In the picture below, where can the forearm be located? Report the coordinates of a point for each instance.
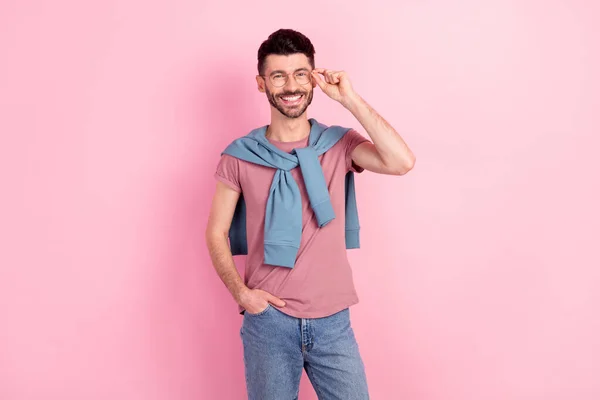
(222, 261)
(394, 152)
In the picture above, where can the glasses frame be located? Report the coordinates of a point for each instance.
(287, 78)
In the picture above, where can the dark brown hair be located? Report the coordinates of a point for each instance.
(285, 42)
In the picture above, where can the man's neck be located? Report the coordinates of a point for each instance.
(284, 129)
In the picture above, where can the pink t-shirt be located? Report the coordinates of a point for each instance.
(321, 283)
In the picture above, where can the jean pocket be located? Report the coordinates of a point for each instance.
(258, 313)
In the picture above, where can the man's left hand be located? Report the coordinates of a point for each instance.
(335, 84)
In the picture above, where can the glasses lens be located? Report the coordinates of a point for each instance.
(302, 77)
(278, 79)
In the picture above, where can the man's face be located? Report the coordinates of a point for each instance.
(293, 98)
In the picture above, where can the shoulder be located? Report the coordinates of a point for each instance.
(228, 159)
(351, 139)
(228, 172)
(353, 134)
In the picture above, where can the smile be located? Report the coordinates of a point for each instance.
(292, 100)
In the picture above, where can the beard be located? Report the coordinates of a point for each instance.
(294, 111)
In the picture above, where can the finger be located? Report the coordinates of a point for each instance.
(322, 84)
(329, 75)
(326, 74)
(276, 300)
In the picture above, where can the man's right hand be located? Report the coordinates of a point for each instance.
(255, 300)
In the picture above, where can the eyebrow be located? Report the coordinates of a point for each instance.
(280, 71)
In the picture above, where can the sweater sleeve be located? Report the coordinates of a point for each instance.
(228, 172)
(352, 139)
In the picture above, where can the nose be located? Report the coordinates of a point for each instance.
(291, 85)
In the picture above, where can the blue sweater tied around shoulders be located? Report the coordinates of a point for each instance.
(283, 216)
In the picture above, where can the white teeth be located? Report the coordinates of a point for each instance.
(291, 98)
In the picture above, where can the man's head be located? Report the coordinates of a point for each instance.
(285, 61)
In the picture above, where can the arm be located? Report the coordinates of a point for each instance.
(388, 154)
(217, 230)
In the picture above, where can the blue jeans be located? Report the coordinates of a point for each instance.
(277, 347)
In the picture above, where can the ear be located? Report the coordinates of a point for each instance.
(260, 83)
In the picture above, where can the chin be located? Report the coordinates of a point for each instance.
(294, 115)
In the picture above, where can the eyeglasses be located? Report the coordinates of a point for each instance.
(280, 79)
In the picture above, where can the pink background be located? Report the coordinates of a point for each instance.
(479, 270)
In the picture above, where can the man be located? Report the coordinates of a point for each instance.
(296, 312)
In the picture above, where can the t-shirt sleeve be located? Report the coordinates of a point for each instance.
(228, 172)
(352, 139)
